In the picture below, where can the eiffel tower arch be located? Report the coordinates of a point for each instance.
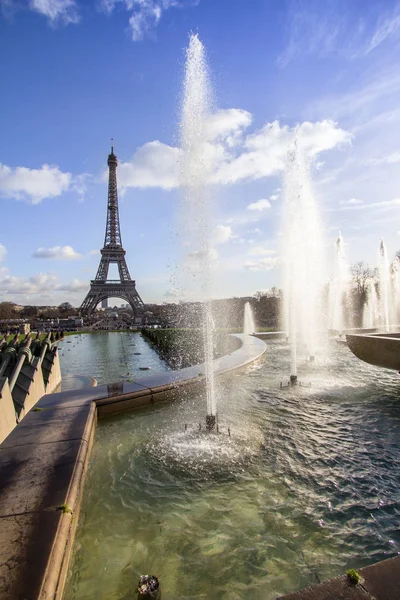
(102, 288)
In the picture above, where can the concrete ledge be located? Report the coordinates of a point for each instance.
(378, 582)
(38, 475)
(43, 464)
(380, 350)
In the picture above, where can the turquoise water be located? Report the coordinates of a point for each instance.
(108, 356)
(306, 487)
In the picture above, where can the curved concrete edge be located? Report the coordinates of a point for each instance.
(148, 389)
(270, 335)
(380, 350)
(57, 566)
(43, 464)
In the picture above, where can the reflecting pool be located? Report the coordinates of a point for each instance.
(108, 356)
(306, 486)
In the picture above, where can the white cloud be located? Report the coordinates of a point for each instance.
(33, 185)
(145, 18)
(264, 152)
(313, 27)
(38, 287)
(79, 185)
(263, 264)
(228, 125)
(390, 159)
(260, 251)
(379, 87)
(326, 28)
(57, 253)
(384, 205)
(221, 234)
(3, 252)
(62, 11)
(11, 285)
(351, 201)
(153, 165)
(262, 204)
(388, 26)
(233, 155)
(94, 252)
(145, 14)
(75, 285)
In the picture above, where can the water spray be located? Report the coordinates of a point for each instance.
(195, 176)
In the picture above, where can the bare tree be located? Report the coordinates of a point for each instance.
(362, 277)
(362, 274)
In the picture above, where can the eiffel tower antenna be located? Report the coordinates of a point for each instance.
(101, 287)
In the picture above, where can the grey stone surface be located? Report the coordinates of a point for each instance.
(382, 580)
(334, 589)
(35, 477)
(49, 425)
(26, 542)
(85, 396)
(380, 350)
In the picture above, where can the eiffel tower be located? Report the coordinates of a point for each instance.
(102, 288)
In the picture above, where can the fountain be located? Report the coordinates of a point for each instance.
(371, 307)
(252, 506)
(248, 325)
(394, 291)
(302, 259)
(196, 198)
(338, 289)
(384, 286)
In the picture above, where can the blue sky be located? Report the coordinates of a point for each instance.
(76, 73)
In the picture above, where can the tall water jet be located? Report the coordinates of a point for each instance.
(339, 288)
(384, 285)
(394, 291)
(248, 324)
(302, 258)
(371, 307)
(195, 175)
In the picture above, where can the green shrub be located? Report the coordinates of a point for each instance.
(353, 576)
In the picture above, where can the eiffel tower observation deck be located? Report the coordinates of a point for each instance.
(101, 287)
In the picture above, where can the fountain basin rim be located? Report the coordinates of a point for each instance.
(378, 349)
(52, 447)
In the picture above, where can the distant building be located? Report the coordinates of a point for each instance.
(104, 303)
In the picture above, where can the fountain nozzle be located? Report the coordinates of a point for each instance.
(293, 380)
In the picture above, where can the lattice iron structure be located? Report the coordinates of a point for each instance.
(102, 288)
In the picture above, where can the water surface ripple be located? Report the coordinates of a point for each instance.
(108, 356)
(306, 486)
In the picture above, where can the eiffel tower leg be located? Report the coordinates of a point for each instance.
(89, 304)
(135, 302)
